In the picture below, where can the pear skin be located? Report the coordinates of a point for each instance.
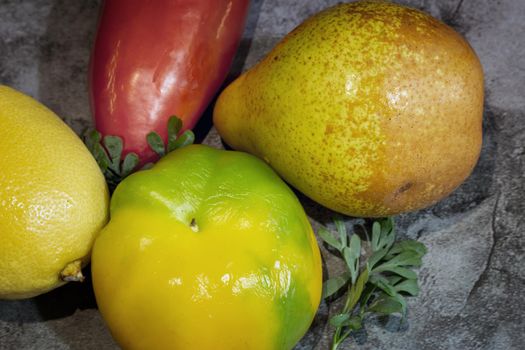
(369, 108)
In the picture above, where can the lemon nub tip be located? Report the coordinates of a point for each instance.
(72, 272)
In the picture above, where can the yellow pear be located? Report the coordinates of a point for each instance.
(369, 108)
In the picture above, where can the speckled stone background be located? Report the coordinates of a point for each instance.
(472, 281)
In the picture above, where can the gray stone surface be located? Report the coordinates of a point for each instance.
(472, 280)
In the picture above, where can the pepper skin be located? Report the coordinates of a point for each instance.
(209, 249)
(155, 59)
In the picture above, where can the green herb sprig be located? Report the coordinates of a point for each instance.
(374, 284)
(108, 154)
(174, 142)
(108, 150)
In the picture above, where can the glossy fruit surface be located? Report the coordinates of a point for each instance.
(369, 108)
(207, 250)
(53, 198)
(155, 59)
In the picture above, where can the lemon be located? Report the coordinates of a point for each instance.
(53, 199)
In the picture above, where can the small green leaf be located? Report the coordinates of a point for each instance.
(96, 149)
(394, 279)
(339, 319)
(383, 234)
(333, 285)
(101, 156)
(341, 228)
(383, 284)
(406, 258)
(388, 238)
(329, 238)
(409, 244)
(353, 266)
(357, 289)
(362, 280)
(114, 146)
(187, 138)
(354, 322)
(129, 164)
(401, 300)
(351, 255)
(404, 272)
(156, 143)
(385, 231)
(346, 320)
(387, 226)
(174, 126)
(355, 246)
(92, 138)
(408, 286)
(386, 305)
(376, 257)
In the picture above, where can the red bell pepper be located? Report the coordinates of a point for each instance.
(155, 59)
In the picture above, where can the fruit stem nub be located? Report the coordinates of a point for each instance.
(72, 272)
(193, 225)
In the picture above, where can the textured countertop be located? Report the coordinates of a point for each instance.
(472, 281)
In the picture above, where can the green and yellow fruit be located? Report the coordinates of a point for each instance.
(207, 250)
(369, 108)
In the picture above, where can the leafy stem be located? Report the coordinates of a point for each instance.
(174, 126)
(108, 150)
(374, 284)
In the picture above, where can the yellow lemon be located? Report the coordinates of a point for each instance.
(53, 199)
